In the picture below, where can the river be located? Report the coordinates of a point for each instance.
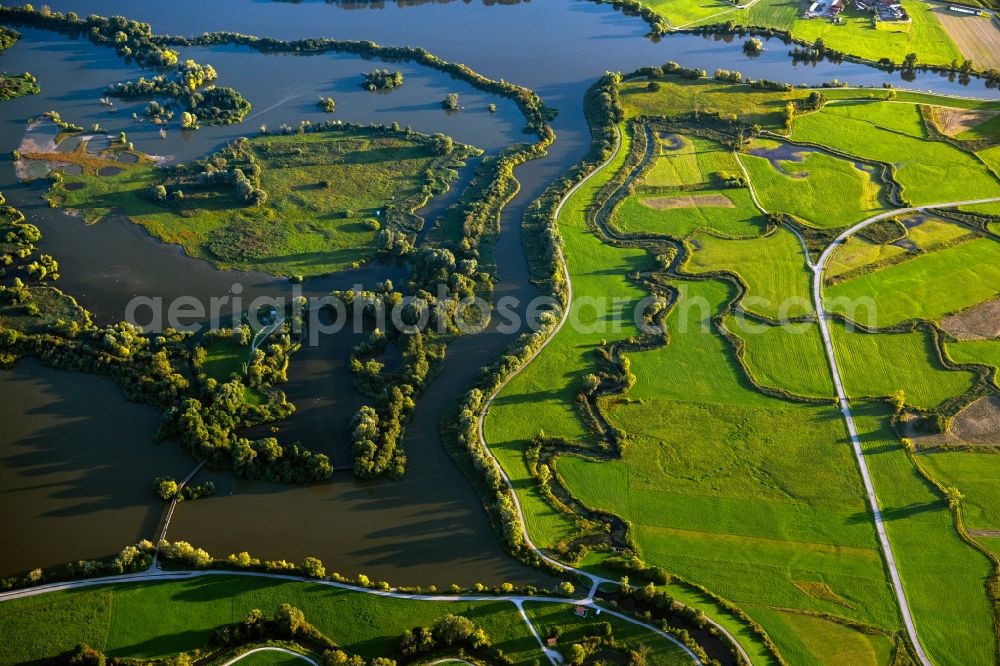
(429, 527)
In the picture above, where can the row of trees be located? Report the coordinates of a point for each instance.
(131, 39)
(131, 559)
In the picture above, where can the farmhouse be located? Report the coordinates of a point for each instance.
(825, 9)
(881, 10)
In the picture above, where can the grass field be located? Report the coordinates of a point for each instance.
(943, 577)
(984, 352)
(689, 162)
(928, 286)
(324, 190)
(680, 96)
(739, 220)
(547, 387)
(924, 234)
(224, 358)
(712, 477)
(755, 497)
(929, 171)
(789, 357)
(773, 268)
(879, 364)
(823, 190)
(132, 620)
(813, 640)
(857, 252)
(975, 475)
(675, 166)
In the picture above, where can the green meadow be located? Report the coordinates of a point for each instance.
(677, 195)
(943, 578)
(975, 475)
(929, 171)
(823, 190)
(857, 252)
(815, 640)
(880, 364)
(755, 497)
(548, 386)
(789, 357)
(772, 267)
(928, 286)
(983, 352)
(705, 448)
(324, 190)
(740, 219)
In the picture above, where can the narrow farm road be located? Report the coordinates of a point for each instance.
(845, 408)
(298, 655)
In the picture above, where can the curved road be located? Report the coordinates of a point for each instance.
(158, 575)
(845, 409)
(272, 649)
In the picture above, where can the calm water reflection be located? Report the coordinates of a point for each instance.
(429, 528)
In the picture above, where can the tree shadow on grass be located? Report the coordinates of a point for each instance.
(164, 645)
(900, 512)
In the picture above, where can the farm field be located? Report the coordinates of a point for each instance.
(974, 474)
(823, 190)
(943, 577)
(809, 636)
(324, 190)
(702, 401)
(984, 352)
(912, 367)
(678, 96)
(928, 286)
(936, 173)
(553, 378)
(644, 214)
(858, 254)
(976, 37)
(789, 357)
(772, 267)
(679, 194)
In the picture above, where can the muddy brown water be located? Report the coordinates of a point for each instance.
(77, 461)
